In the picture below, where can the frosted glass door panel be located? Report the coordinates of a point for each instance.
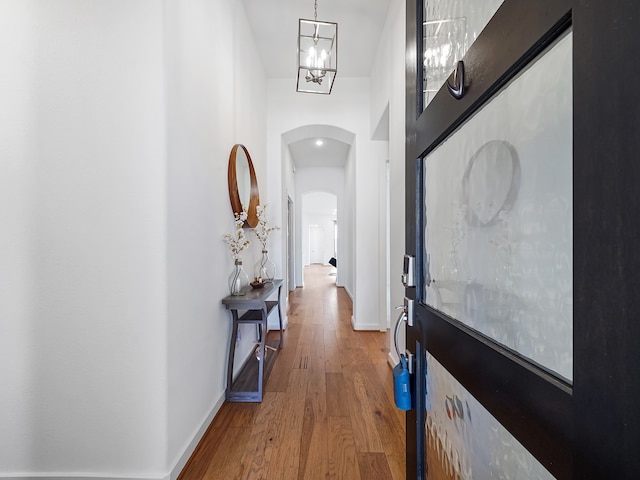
(450, 27)
(464, 441)
(499, 203)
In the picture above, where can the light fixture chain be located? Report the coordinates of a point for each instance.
(315, 10)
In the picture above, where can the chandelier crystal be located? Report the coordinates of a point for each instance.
(317, 54)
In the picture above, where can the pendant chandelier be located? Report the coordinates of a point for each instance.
(317, 54)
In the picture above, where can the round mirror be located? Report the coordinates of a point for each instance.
(243, 184)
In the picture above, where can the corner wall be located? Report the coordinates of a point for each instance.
(214, 100)
(388, 92)
(119, 119)
(84, 320)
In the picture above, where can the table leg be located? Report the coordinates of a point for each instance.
(280, 319)
(232, 351)
(263, 339)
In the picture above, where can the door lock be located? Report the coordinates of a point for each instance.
(408, 310)
(409, 271)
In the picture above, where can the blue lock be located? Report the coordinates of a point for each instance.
(401, 390)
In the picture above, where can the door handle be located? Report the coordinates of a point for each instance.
(402, 371)
(401, 318)
(457, 90)
(407, 354)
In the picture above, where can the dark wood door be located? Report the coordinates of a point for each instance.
(523, 217)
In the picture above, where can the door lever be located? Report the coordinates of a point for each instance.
(408, 355)
(401, 318)
(401, 380)
(405, 316)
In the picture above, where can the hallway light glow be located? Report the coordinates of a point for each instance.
(319, 142)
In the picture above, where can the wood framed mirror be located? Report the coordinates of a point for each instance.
(243, 184)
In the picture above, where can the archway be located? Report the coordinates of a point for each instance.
(329, 170)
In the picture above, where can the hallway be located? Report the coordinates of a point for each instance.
(328, 407)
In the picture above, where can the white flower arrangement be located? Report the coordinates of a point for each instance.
(263, 229)
(237, 242)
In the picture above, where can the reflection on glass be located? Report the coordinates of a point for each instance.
(491, 183)
(498, 202)
(450, 27)
(444, 45)
(243, 177)
(463, 440)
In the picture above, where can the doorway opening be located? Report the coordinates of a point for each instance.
(319, 217)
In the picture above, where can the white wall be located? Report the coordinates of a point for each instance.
(388, 92)
(214, 101)
(114, 139)
(18, 157)
(348, 276)
(117, 126)
(319, 210)
(347, 108)
(83, 389)
(324, 224)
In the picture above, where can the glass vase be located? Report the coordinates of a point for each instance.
(238, 280)
(265, 268)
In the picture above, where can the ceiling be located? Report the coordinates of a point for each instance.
(332, 153)
(275, 28)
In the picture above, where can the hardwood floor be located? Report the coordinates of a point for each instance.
(328, 409)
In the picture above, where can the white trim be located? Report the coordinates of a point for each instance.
(190, 448)
(364, 327)
(346, 289)
(78, 476)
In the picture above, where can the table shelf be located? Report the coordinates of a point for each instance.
(248, 384)
(245, 385)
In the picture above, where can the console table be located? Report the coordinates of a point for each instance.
(257, 309)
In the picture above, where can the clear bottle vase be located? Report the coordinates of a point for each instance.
(238, 280)
(265, 268)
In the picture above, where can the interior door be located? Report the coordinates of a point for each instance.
(514, 361)
(316, 239)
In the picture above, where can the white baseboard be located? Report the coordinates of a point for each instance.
(77, 476)
(190, 448)
(346, 289)
(366, 327)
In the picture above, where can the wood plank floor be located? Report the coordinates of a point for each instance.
(328, 409)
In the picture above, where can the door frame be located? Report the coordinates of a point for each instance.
(291, 257)
(589, 428)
